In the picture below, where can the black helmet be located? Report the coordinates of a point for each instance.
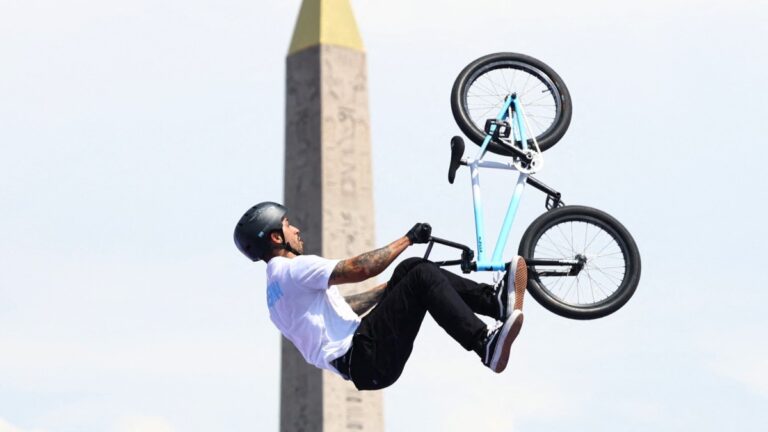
(252, 232)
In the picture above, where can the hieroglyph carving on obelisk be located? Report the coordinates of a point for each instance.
(329, 194)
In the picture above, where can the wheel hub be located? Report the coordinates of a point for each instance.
(579, 266)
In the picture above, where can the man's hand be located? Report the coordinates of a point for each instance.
(420, 233)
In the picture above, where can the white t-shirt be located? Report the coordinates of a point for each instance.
(311, 314)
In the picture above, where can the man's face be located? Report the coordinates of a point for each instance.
(292, 236)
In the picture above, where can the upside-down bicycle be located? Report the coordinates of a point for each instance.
(582, 263)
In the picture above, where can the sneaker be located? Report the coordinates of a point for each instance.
(495, 350)
(514, 282)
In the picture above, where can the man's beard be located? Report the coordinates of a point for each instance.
(299, 247)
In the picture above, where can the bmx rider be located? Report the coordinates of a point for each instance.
(327, 329)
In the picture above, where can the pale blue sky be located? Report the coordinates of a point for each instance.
(134, 134)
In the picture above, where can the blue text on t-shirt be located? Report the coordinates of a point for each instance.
(274, 293)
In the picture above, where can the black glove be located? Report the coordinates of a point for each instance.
(420, 233)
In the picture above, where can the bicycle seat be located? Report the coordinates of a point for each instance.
(457, 151)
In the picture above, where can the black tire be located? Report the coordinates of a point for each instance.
(602, 243)
(472, 122)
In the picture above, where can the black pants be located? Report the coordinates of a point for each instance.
(384, 340)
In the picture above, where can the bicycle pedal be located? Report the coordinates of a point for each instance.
(502, 128)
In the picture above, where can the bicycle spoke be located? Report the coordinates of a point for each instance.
(531, 102)
(507, 83)
(603, 273)
(483, 116)
(529, 106)
(487, 93)
(578, 289)
(529, 91)
(570, 245)
(553, 252)
(557, 285)
(610, 254)
(483, 86)
(488, 100)
(612, 273)
(493, 83)
(609, 292)
(599, 285)
(525, 86)
(610, 242)
(593, 239)
(555, 245)
(536, 122)
(609, 276)
(569, 288)
(614, 267)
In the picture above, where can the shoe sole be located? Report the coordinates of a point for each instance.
(521, 282)
(509, 333)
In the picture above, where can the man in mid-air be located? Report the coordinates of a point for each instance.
(308, 309)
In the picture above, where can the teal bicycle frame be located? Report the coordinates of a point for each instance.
(511, 105)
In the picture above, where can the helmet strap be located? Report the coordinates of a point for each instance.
(287, 246)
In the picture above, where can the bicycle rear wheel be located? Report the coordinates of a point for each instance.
(582, 263)
(481, 88)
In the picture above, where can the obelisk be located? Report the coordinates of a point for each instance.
(329, 194)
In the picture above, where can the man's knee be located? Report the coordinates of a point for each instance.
(426, 271)
(405, 267)
(412, 262)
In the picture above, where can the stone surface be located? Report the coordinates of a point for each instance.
(328, 191)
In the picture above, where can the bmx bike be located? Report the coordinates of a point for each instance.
(582, 262)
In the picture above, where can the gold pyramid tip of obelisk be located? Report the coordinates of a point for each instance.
(325, 22)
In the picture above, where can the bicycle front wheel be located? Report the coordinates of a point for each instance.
(481, 88)
(582, 263)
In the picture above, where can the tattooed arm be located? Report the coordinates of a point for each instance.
(363, 301)
(369, 264)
